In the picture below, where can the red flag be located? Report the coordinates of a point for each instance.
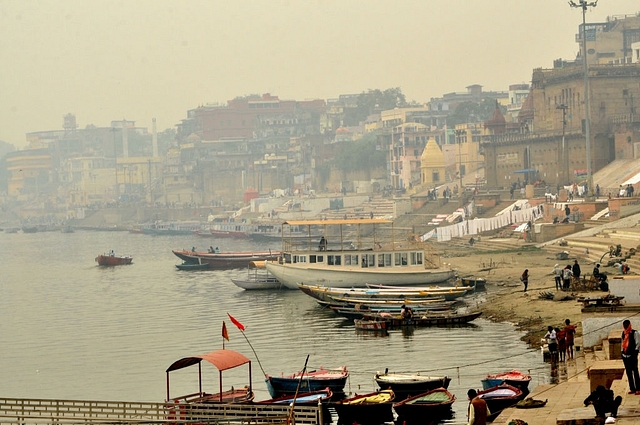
(225, 334)
(235, 322)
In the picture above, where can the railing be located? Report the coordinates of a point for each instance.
(43, 411)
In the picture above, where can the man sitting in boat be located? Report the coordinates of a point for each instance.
(323, 244)
(112, 253)
(210, 250)
(217, 250)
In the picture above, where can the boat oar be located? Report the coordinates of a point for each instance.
(293, 403)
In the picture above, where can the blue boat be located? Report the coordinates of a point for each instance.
(309, 381)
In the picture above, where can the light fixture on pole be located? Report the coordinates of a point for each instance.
(583, 4)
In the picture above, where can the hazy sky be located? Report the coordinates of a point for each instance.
(139, 59)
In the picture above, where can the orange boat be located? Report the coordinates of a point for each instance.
(112, 260)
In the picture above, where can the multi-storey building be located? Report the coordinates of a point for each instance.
(253, 116)
(610, 42)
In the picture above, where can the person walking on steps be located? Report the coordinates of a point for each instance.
(630, 348)
(525, 279)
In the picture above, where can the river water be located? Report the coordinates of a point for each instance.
(72, 330)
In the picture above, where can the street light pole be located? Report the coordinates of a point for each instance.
(583, 4)
(459, 134)
(563, 171)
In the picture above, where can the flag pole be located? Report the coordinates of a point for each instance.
(240, 327)
(254, 352)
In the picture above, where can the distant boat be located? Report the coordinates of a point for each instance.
(29, 229)
(109, 260)
(67, 228)
(171, 228)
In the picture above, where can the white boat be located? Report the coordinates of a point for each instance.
(356, 264)
(257, 278)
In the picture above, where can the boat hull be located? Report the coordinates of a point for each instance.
(107, 260)
(258, 284)
(355, 277)
(312, 381)
(363, 412)
(435, 403)
(223, 260)
(426, 320)
(500, 397)
(405, 386)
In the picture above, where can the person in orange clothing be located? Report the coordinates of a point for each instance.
(569, 334)
(478, 410)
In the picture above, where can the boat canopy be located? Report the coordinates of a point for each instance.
(257, 265)
(221, 359)
(337, 222)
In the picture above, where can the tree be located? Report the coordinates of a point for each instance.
(359, 155)
(473, 112)
(373, 101)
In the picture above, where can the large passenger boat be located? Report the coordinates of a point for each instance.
(368, 259)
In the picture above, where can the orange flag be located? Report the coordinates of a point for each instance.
(235, 322)
(225, 334)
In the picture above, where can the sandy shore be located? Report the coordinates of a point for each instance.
(506, 299)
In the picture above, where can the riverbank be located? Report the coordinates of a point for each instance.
(506, 300)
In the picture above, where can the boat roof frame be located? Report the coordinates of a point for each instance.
(222, 359)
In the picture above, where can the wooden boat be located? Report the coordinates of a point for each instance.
(193, 267)
(310, 397)
(360, 311)
(435, 403)
(370, 325)
(309, 381)
(500, 397)
(29, 229)
(477, 283)
(428, 319)
(257, 278)
(337, 295)
(222, 360)
(224, 260)
(113, 260)
(514, 378)
(353, 265)
(365, 409)
(408, 385)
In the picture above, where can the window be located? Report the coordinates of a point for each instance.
(435, 176)
(299, 258)
(350, 260)
(401, 258)
(384, 260)
(334, 260)
(416, 258)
